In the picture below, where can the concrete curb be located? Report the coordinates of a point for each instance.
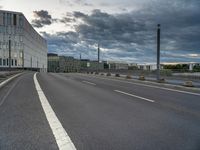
(167, 85)
(8, 80)
(164, 84)
(122, 78)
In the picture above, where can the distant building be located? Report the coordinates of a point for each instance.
(91, 65)
(69, 64)
(149, 67)
(53, 63)
(62, 63)
(28, 49)
(113, 65)
(132, 66)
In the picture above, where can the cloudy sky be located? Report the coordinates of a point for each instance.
(125, 29)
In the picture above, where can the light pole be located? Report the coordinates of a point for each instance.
(98, 57)
(158, 52)
(9, 53)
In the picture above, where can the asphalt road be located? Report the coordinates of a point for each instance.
(23, 125)
(99, 113)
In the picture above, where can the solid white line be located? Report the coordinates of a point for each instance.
(89, 82)
(62, 139)
(9, 79)
(146, 99)
(153, 86)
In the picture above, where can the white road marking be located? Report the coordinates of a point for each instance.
(168, 89)
(9, 90)
(63, 140)
(146, 99)
(9, 79)
(89, 82)
(153, 86)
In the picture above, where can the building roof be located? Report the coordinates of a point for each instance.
(52, 54)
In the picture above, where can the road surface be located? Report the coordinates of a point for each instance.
(98, 113)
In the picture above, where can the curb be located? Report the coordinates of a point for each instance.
(8, 80)
(155, 83)
(164, 84)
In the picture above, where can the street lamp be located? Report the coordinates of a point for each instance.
(98, 58)
(9, 57)
(158, 52)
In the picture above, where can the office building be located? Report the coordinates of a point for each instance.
(53, 63)
(62, 63)
(87, 64)
(21, 47)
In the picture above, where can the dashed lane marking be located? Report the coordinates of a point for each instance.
(139, 97)
(89, 82)
(151, 86)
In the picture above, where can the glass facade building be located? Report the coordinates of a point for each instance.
(28, 50)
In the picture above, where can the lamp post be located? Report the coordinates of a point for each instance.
(98, 58)
(158, 52)
(9, 57)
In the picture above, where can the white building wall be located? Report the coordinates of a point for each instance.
(28, 48)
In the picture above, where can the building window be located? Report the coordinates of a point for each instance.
(8, 18)
(7, 61)
(12, 62)
(20, 21)
(4, 62)
(14, 19)
(4, 19)
(0, 61)
(15, 62)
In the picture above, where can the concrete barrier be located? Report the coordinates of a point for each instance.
(108, 74)
(188, 84)
(117, 75)
(141, 77)
(161, 80)
(128, 77)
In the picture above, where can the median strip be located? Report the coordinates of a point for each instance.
(89, 82)
(146, 99)
(62, 139)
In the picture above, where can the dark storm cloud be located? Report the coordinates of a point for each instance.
(133, 34)
(64, 43)
(103, 27)
(42, 18)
